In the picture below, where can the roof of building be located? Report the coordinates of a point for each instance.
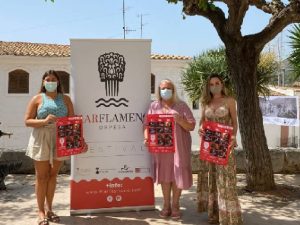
(276, 93)
(285, 90)
(169, 57)
(33, 49)
(40, 49)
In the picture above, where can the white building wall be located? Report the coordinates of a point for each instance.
(13, 106)
(169, 69)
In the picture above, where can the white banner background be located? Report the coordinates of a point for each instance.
(113, 131)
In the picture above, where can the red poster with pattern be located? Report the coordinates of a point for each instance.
(161, 133)
(69, 136)
(215, 142)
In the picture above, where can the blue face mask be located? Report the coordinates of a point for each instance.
(50, 86)
(166, 94)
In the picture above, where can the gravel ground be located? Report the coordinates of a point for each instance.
(279, 207)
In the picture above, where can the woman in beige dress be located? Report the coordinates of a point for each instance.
(42, 111)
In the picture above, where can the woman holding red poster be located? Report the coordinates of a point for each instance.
(219, 181)
(41, 114)
(171, 169)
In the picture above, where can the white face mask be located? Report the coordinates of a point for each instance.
(216, 89)
(166, 94)
(50, 86)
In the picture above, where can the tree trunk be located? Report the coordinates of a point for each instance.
(243, 59)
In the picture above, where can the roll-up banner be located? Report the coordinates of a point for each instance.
(111, 90)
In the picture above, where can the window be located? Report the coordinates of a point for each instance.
(65, 81)
(18, 82)
(152, 83)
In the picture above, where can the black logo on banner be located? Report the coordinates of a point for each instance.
(111, 67)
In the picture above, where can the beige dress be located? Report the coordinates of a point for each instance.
(42, 144)
(42, 141)
(217, 192)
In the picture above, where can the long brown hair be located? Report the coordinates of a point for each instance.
(207, 96)
(59, 85)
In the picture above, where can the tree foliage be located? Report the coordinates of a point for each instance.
(294, 58)
(195, 75)
(214, 61)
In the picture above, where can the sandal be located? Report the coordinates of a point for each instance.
(165, 213)
(176, 215)
(52, 217)
(43, 221)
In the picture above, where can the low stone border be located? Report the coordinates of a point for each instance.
(285, 160)
(27, 163)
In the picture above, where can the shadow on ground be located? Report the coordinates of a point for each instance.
(282, 206)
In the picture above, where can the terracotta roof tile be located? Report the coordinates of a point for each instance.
(275, 93)
(38, 49)
(169, 57)
(33, 49)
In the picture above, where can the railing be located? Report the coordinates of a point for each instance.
(4, 133)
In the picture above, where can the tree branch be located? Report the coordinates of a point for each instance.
(216, 16)
(268, 7)
(237, 10)
(230, 29)
(288, 15)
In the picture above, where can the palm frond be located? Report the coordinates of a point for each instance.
(294, 57)
(214, 61)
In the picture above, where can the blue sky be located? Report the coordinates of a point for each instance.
(46, 22)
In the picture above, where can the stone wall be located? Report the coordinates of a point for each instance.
(285, 160)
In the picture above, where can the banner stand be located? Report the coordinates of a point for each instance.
(109, 80)
(105, 210)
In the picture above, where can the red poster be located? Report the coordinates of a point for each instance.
(161, 133)
(69, 136)
(215, 142)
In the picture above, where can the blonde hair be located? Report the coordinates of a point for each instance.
(206, 95)
(174, 96)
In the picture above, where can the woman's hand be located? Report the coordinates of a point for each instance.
(233, 143)
(201, 131)
(146, 142)
(178, 118)
(50, 119)
(183, 122)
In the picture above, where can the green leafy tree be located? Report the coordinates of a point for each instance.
(194, 76)
(267, 70)
(242, 53)
(294, 58)
(214, 61)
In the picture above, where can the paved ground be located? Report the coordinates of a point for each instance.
(282, 207)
